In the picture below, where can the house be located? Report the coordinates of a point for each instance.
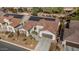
(68, 8)
(48, 23)
(46, 28)
(10, 22)
(15, 19)
(44, 14)
(14, 22)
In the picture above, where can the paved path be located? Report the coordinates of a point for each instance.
(43, 45)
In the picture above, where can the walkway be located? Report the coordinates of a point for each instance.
(43, 45)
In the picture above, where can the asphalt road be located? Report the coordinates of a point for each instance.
(72, 35)
(8, 47)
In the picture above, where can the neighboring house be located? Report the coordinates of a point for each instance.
(14, 22)
(15, 19)
(5, 26)
(44, 15)
(68, 8)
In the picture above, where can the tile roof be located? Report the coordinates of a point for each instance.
(15, 21)
(1, 19)
(29, 25)
(48, 25)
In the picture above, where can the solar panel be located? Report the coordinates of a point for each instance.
(50, 19)
(18, 16)
(37, 18)
(15, 15)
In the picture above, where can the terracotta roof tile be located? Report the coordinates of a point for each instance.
(1, 19)
(48, 25)
(14, 21)
(29, 25)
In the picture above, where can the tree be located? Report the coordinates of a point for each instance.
(57, 10)
(20, 9)
(35, 10)
(77, 11)
(76, 15)
(47, 10)
(40, 9)
(12, 10)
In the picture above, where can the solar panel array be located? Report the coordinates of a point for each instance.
(37, 18)
(15, 15)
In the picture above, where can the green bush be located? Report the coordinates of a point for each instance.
(75, 18)
(35, 10)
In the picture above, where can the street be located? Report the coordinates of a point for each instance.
(72, 35)
(8, 47)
